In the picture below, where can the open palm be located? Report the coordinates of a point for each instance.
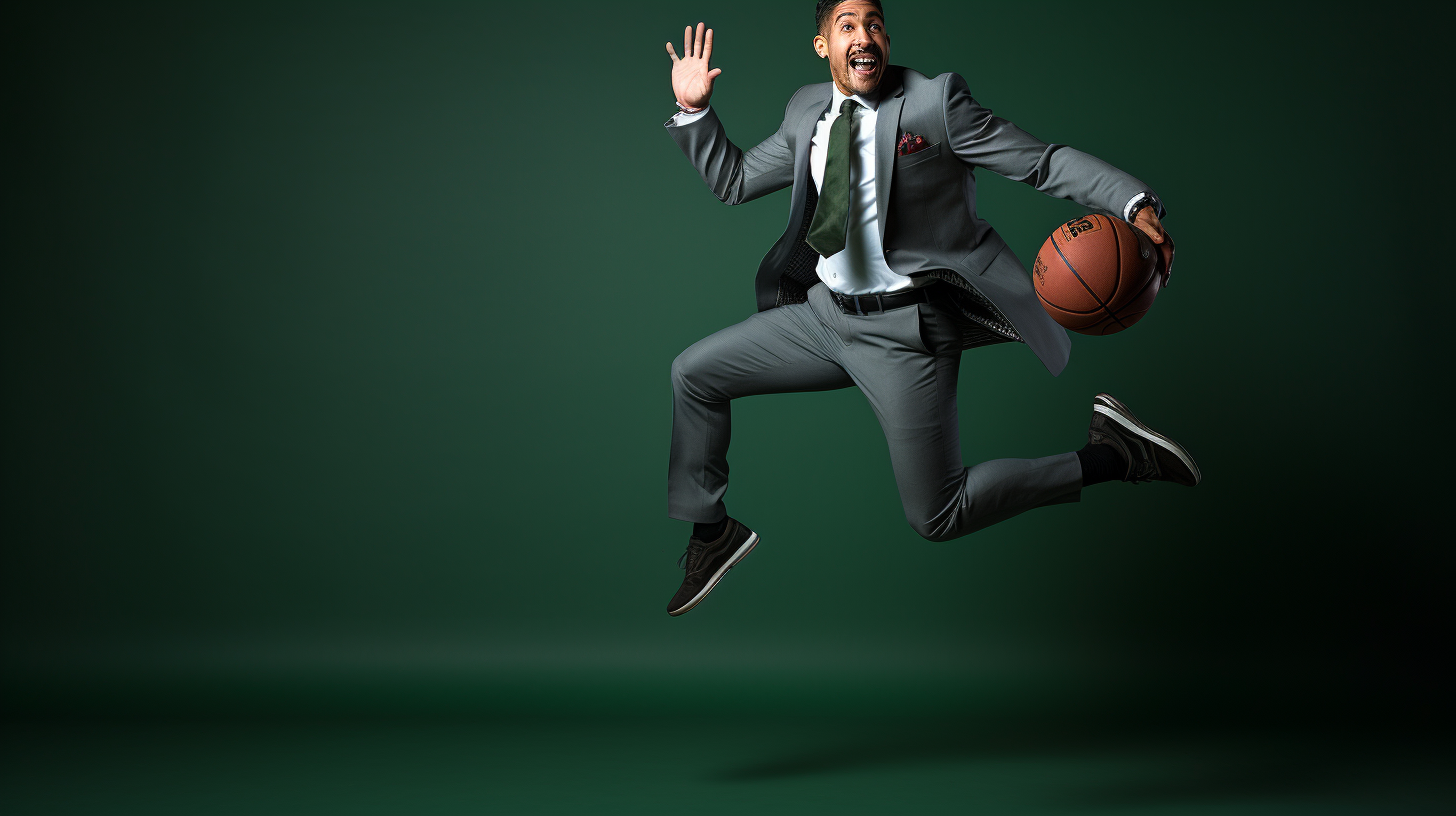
(692, 82)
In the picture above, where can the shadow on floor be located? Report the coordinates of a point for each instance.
(1116, 766)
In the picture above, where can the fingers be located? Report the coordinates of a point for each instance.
(1165, 253)
(697, 45)
(1157, 229)
(713, 74)
(1148, 222)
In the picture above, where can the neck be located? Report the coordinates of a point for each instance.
(868, 95)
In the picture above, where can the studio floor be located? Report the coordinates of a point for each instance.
(441, 764)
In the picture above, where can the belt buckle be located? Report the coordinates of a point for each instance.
(859, 307)
(859, 303)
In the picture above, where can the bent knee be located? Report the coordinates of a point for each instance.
(687, 374)
(947, 525)
(681, 368)
(933, 529)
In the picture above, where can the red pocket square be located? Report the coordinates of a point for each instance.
(910, 143)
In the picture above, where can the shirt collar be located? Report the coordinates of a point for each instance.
(872, 104)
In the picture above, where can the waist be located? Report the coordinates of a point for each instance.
(880, 303)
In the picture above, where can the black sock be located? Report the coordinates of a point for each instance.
(710, 531)
(1100, 463)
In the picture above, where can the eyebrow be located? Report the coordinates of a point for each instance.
(871, 13)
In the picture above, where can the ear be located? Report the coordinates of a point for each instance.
(821, 46)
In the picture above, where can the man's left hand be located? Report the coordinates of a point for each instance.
(1147, 221)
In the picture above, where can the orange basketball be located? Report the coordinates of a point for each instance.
(1097, 275)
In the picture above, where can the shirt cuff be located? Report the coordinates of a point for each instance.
(683, 118)
(1138, 199)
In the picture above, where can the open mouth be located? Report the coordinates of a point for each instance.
(863, 65)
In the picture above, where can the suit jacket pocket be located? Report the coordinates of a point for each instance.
(909, 326)
(921, 155)
(978, 260)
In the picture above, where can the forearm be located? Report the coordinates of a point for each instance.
(981, 139)
(1066, 172)
(733, 175)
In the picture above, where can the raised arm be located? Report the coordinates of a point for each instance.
(733, 175)
(982, 140)
(692, 82)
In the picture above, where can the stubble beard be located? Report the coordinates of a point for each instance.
(846, 78)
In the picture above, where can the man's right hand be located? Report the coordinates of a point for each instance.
(692, 82)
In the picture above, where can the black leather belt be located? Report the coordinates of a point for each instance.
(872, 304)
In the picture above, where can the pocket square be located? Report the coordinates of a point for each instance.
(910, 143)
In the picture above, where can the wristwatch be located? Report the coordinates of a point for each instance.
(1140, 201)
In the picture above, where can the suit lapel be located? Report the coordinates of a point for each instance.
(805, 136)
(887, 129)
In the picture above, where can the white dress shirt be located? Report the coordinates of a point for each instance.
(860, 267)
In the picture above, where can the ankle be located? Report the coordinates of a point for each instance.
(710, 531)
(1101, 463)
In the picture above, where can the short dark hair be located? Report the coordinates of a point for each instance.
(826, 8)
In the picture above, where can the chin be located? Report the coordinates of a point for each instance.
(859, 86)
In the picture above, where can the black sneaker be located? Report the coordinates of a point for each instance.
(1149, 455)
(707, 562)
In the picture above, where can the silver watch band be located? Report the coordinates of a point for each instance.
(1138, 202)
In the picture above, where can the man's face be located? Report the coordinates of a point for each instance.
(856, 46)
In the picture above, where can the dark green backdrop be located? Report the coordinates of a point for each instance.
(336, 387)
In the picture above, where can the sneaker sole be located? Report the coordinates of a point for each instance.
(743, 550)
(1117, 412)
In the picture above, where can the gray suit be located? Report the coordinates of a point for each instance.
(905, 360)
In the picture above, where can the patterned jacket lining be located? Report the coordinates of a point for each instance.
(984, 324)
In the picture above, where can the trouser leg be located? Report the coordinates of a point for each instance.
(907, 364)
(776, 351)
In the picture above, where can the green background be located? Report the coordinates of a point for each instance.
(336, 348)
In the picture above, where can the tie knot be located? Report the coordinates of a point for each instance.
(848, 107)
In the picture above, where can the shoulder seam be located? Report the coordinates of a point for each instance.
(945, 81)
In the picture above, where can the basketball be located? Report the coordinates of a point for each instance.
(1097, 275)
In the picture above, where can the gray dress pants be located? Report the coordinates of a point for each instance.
(905, 360)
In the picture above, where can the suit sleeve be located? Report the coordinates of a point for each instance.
(733, 175)
(981, 139)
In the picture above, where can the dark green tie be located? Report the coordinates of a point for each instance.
(831, 216)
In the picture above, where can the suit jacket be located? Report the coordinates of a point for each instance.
(926, 200)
